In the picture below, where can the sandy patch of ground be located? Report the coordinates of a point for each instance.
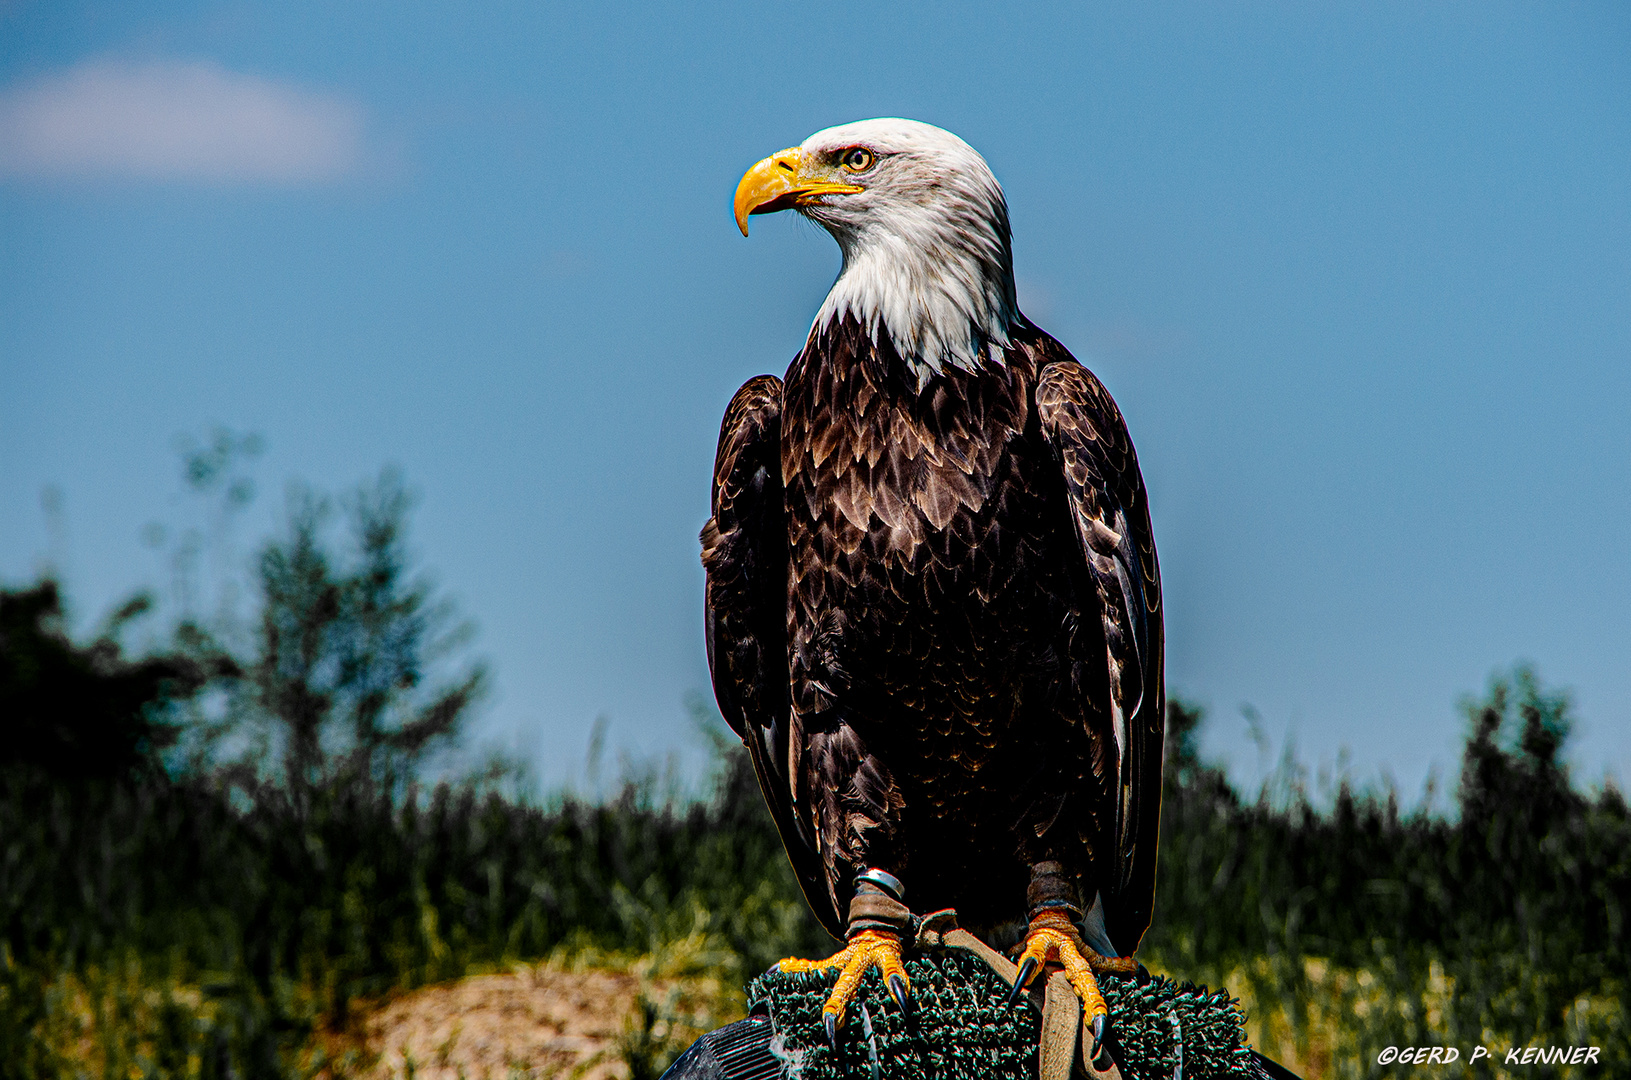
(545, 1022)
(532, 1023)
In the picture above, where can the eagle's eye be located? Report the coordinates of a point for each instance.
(858, 159)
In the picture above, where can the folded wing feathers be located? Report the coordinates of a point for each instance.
(1100, 471)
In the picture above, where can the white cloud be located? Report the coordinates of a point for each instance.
(176, 120)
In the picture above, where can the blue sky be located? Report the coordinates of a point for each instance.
(1358, 274)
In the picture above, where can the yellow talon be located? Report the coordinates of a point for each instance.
(869, 948)
(1053, 939)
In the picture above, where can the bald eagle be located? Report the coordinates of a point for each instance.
(933, 604)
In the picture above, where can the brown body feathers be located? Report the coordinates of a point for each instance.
(934, 617)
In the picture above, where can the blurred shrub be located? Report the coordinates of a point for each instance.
(87, 711)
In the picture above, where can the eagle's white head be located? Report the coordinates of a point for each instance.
(923, 226)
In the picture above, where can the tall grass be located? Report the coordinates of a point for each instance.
(267, 924)
(164, 924)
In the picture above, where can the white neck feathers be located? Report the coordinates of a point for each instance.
(928, 258)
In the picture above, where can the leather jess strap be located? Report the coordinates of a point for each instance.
(1066, 1043)
(872, 909)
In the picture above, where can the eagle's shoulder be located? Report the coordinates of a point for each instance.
(1082, 422)
(1068, 392)
(753, 413)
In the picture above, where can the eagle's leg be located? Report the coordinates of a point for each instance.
(1054, 939)
(877, 922)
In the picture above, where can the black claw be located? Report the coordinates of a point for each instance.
(831, 1022)
(1102, 1058)
(897, 990)
(1026, 970)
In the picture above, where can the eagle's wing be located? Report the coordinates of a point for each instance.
(1110, 512)
(744, 550)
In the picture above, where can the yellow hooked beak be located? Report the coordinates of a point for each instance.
(780, 182)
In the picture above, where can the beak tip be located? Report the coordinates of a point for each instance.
(765, 187)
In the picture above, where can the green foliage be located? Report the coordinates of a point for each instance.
(1510, 918)
(210, 853)
(292, 912)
